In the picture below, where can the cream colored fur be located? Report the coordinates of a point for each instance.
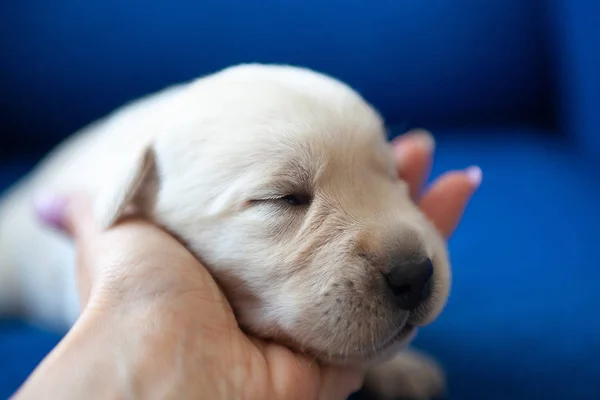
(210, 160)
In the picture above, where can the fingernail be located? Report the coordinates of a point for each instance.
(50, 209)
(475, 175)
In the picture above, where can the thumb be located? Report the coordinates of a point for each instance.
(71, 214)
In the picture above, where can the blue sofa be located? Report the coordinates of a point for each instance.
(510, 85)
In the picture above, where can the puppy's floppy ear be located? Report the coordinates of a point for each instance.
(122, 189)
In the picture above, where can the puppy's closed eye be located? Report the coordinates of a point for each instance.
(296, 199)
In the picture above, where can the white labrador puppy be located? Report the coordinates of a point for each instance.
(281, 181)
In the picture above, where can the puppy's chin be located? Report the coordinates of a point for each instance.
(304, 329)
(378, 353)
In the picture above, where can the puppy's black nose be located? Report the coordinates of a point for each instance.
(410, 283)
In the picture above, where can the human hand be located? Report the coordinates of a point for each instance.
(167, 314)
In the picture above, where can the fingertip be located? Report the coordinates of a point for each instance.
(414, 155)
(419, 142)
(353, 380)
(70, 214)
(475, 175)
(339, 383)
(421, 137)
(446, 200)
(51, 209)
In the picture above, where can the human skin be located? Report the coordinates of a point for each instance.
(154, 324)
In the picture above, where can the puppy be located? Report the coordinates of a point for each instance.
(281, 181)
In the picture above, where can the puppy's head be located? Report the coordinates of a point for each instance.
(281, 181)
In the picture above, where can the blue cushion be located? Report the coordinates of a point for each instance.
(69, 62)
(577, 37)
(522, 321)
(22, 347)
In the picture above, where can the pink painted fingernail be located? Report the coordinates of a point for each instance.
(50, 209)
(475, 175)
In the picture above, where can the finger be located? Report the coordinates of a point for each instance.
(446, 200)
(293, 376)
(79, 217)
(70, 214)
(414, 155)
(337, 383)
(50, 209)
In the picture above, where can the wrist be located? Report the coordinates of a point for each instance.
(148, 350)
(151, 347)
(164, 351)
(78, 367)
(112, 356)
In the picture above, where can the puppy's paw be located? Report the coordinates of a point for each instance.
(411, 375)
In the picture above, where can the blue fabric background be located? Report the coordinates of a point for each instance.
(576, 31)
(420, 63)
(510, 85)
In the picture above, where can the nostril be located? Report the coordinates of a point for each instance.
(400, 290)
(409, 283)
